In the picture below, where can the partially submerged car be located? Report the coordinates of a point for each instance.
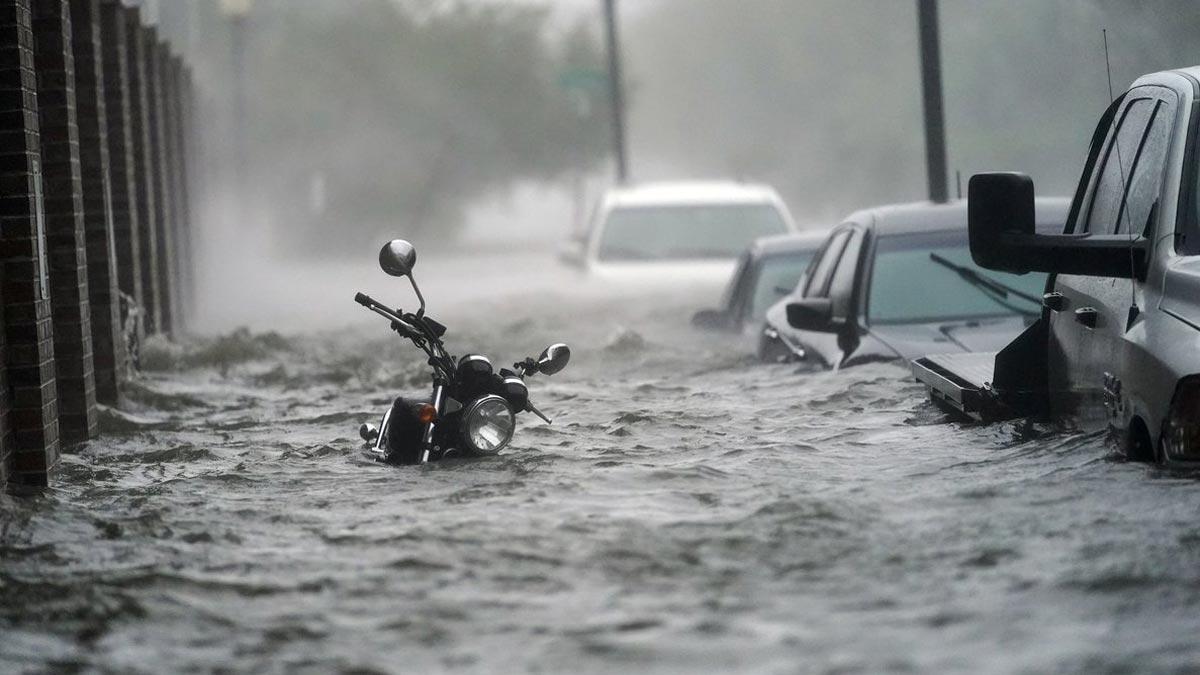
(768, 270)
(684, 233)
(897, 282)
(1117, 342)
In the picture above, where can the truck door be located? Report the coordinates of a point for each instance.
(1090, 315)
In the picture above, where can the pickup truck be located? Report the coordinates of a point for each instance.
(1118, 341)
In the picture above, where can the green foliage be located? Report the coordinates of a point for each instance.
(408, 116)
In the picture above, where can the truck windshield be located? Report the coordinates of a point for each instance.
(686, 232)
(910, 285)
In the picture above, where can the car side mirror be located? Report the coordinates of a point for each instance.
(572, 254)
(813, 314)
(711, 319)
(1001, 226)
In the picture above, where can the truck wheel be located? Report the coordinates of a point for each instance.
(1138, 447)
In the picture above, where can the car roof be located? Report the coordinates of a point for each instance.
(779, 244)
(683, 193)
(1178, 78)
(895, 219)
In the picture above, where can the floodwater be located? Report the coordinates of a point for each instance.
(689, 510)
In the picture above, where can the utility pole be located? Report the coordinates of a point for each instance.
(237, 13)
(931, 86)
(616, 91)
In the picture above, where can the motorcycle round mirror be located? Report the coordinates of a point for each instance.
(397, 258)
(553, 359)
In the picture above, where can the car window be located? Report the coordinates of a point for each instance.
(736, 289)
(686, 232)
(1114, 173)
(778, 275)
(841, 286)
(818, 279)
(908, 286)
(1145, 184)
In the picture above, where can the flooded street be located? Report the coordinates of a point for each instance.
(688, 509)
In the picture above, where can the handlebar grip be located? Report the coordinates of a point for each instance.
(364, 300)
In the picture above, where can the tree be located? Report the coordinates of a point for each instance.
(372, 119)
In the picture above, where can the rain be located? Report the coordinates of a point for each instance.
(755, 336)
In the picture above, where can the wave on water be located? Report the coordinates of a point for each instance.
(688, 510)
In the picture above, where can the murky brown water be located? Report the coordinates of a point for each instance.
(688, 511)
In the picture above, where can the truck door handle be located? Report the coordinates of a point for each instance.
(1055, 302)
(1086, 316)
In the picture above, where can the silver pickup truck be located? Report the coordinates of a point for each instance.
(1118, 341)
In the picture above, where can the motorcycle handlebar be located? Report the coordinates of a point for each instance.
(374, 305)
(382, 310)
(402, 326)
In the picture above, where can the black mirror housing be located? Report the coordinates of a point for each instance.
(553, 359)
(999, 204)
(397, 258)
(813, 314)
(1001, 222)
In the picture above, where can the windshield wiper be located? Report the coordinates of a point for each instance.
(986, 284)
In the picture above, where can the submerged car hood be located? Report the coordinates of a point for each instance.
(914, 340)
(713, 274)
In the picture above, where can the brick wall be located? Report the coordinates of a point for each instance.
(30, 435)
(91, 115)
(64, 222)
(122, 160)
(146, 191)
(183, 246)
(160, 161)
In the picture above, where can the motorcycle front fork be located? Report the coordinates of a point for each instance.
(439, 404)
(389, 436)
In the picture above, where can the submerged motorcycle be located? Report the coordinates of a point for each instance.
(472, 409)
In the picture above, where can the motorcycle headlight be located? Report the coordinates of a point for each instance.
(488, 424)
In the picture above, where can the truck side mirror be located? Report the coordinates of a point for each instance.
(1001, 222)
(999, 204)
(813, 314)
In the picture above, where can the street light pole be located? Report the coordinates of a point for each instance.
(616, 90)
(931, 87)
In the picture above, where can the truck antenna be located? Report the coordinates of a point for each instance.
(1107, 65)
(1133, 306)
